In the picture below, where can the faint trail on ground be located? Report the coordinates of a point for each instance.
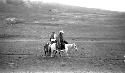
(40, 40)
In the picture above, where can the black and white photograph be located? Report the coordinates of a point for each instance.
(62, 36)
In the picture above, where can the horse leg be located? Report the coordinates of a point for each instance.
(44, 51)
(48, 53)
(55, 52)
(67, 55)
(66, 51)
(51, 53)
(59, 53)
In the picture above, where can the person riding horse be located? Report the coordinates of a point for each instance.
(60, 41)
(53, 38)
(47, 49)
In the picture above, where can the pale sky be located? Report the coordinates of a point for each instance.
(114, 5)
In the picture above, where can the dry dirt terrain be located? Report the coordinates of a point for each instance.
(99, 35)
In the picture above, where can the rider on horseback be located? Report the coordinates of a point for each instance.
(61, 42)
(58, 41)
(53, 38)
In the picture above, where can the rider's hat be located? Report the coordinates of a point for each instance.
(61, 31)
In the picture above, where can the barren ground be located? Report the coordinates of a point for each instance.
(100, 39)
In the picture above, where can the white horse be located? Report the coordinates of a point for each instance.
(67, 47)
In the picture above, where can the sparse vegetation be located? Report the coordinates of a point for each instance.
(99, 35)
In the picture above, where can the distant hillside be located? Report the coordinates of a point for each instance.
(18, 6)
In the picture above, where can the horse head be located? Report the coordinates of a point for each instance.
(75, 47)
